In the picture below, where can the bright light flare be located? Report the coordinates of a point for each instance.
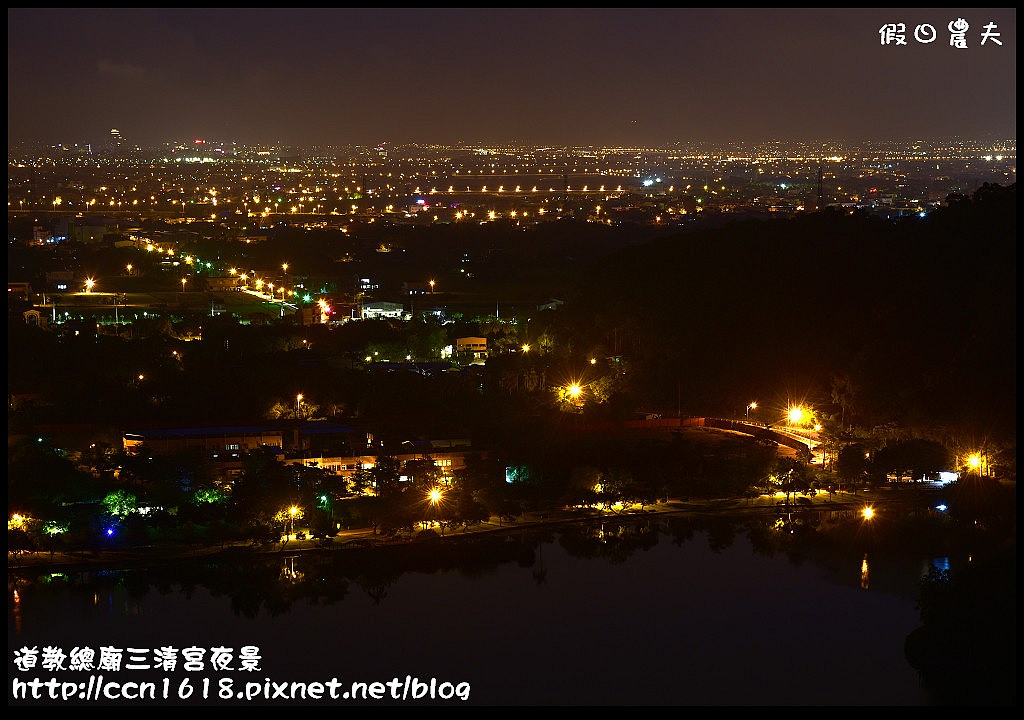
(435, 496)
(868, 513)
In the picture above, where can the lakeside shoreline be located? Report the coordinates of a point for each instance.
(365, 539)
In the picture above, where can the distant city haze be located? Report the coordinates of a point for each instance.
(560, 76)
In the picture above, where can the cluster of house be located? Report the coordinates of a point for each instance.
(332, 447)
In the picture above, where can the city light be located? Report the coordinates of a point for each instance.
(868, 512)
(795, 414)
(434, 496)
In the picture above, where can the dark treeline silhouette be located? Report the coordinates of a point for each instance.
(910, 322)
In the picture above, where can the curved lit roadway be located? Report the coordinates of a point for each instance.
(810, 438)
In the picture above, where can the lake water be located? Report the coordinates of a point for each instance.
(713, 611)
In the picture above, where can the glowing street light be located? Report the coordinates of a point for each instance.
(868, 512)
(751, 406)
(298, 403)
(795, 415)
(431, 287)
(434, 496)
(128, 267)
(526, 347)
(292, 513)
(89, 284)
(284, 266)
(574, 390)
(976, 462)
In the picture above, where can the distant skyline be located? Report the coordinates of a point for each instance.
(558, 76)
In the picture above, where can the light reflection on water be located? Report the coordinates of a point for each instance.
(620, 612)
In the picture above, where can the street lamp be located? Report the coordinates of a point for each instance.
(976, 462)
(292, 513)
(431, 287)
(183, 281)
(751, 406)
(89, 284)
(795, 414)
(298, 404)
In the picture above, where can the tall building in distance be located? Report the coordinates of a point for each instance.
(115, 139)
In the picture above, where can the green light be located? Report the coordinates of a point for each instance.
(306, 298)
(52, 527)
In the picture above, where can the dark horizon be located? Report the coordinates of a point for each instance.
(534, 77)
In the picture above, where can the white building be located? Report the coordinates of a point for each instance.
(381, 309)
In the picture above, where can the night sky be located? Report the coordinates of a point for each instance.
(533, 76)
